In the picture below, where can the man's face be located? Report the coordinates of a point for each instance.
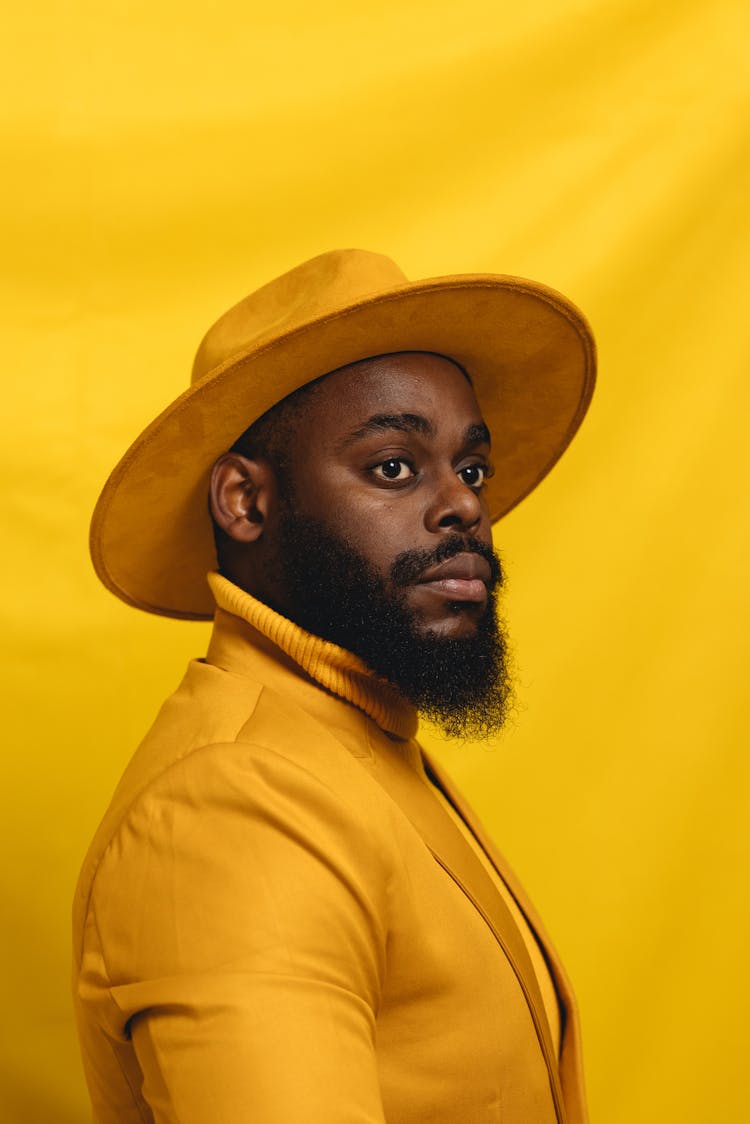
(391, 457)
(382, 542)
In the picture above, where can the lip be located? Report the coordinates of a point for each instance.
(461, 578)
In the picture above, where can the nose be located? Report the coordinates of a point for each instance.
(454, 506)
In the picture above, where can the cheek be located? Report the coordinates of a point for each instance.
(372, 534)
(377, 525)
(372, 527)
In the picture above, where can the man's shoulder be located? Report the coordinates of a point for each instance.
(219, 728)
(209, 707)
(212, 799)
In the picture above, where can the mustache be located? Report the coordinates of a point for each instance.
(409, 566)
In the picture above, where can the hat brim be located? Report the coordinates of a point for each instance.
(528, 350)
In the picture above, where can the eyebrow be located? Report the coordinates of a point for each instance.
(476, 434)
(378, 423)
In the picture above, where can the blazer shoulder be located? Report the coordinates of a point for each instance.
(218, 734)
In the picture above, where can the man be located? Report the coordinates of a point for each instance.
(288, 913)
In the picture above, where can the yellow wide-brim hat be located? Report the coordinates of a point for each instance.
(528, 351)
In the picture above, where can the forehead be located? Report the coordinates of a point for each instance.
(405, 382)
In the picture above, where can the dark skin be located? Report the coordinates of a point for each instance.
(391, 453)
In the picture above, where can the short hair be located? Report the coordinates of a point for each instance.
(272, 434)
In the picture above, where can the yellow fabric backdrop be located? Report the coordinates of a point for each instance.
(163, 159)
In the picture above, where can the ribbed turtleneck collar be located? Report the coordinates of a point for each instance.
(335, 669)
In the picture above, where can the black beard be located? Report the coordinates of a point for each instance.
(328, 588)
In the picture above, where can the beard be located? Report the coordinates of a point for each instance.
(329, 588)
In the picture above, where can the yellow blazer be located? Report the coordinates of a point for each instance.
(278, 922)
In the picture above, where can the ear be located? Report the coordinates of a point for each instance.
(242, 493)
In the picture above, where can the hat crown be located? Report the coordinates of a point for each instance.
(309, 292)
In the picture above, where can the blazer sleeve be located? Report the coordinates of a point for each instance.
(236, 941)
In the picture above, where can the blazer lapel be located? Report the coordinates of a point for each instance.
(410, 790)
(571, 1063)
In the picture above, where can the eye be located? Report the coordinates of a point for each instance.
(475, 475)
(395, 468)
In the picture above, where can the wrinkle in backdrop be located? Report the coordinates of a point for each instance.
(165, 160)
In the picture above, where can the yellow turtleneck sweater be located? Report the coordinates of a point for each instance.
(346, 676)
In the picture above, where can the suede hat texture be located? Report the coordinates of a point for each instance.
(528, 350)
